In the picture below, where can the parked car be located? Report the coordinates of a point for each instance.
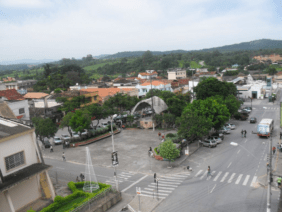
(46, 143)
(221, 135)
(225, 130)
(104, 124)
(74, 134)
(209, 143)
(217, 139)
(247, 109)
(57, 140)
(253, 120)
(65, 137)
(231, 126)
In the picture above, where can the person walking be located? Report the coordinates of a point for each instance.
(51, 149)
(279, 181)
(63, 156)
(245, 133)
(77, 179)
(159, 134)
(81, 177)
(242, 132)
(273, 150)
(209, 171)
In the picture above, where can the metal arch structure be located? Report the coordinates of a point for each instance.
(158, 105)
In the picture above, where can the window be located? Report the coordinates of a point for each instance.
(21, 110)
(145, 90)
(95, 97)
(14, 161)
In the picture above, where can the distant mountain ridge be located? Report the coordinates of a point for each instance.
(26, 62)
(251, 45)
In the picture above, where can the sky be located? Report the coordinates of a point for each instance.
(56, 29)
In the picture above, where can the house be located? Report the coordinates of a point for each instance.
(200, 70)
(24, 175)
(144, 88)
(206, 74)
(106, 93)
(11, 95)
(124, 82)
(20, 84)
(5, 111)
(148, 74)
(272, 58)
(177, 73)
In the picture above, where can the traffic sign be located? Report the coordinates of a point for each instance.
(114, 159)
(138, 190)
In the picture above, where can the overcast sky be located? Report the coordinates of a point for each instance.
(55, 29)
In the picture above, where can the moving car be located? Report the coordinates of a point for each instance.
(209, 143)
(231, 126)
(247, 109)
(253, 120)
(57, 140)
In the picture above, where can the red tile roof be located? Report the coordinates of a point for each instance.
(148, 74)
(183, 81)
(11, 94)
(279, 73)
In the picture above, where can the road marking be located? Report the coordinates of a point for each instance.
(161, 181)
(148, 192)
(199, 172)
(231, 178)
(142, 178)
(144, 195)
(160, 184)
(246, 140)
(150, 189)
(253, 181)
(204, 174)
(246, 180)
(176, 178)
(226, 174)
(229, 165)
(153, 186)
(179, 181)
(213, 188)
(265, 158)
(238, 151)
(217, 176)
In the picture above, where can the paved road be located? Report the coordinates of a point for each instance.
(233, 185)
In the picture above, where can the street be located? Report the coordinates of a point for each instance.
(233, 186)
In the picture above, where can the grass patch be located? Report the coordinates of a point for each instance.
(194, 64)
(68, 206)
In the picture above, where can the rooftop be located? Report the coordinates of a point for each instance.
(9, 127)
(35, 95)
(5, 111)
(11, 94)
(103, 92)
(155, 83)
(148, 74)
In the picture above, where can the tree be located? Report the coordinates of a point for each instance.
(131, 101)
(211, 87)
(119, 101)
(168, 150)
(176, 105)
(99, 112)
(44, 128)
(272, 70)
(130, 119)
(73, 103)
(66, 122)
(80, 120)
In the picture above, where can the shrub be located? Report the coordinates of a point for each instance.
(170, 135)
(156, 150)
(237, 115)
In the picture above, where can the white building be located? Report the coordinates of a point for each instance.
(177, 73)
(20, 109)
(144, 88)
(24, 176)
(148, 74)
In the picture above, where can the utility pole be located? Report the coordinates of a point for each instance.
(113, 144)
(269, 173)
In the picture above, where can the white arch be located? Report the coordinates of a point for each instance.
(158, 104)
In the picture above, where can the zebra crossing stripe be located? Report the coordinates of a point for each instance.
(171, 180)
(217, 176)
(246, 180)
(173, 183)
(253, 181)
(177, 178)
(150, 189)
(205, 174)
(199, 172)
(226, 174)
(161, 187)
(148, 192)
(145, 195)
(160, 184)
(231, 178)
(239, 179)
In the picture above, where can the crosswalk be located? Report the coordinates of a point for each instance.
(121, 177)
(268, 108)
(219, 176)
(166, 185)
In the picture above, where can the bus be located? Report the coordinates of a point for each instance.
(265, 127)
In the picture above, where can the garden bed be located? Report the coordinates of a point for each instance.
(91, 140)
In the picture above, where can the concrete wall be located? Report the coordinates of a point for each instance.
(172, 75)
(10, 147)
(15, 106)
(162, 87)
(19, 193)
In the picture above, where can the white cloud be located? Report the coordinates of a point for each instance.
(99, 27)
(25, 3)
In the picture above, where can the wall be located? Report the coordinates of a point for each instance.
(166, 87)
(22, 143)
(30, 187)
(171, 75)
(4, 203)
(15, 106)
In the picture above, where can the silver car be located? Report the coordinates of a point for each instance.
(217, 139)
(231, 126)
(209, 143)
(57, 140)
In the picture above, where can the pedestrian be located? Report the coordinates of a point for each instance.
(279, 181)
(242, 132)
(77, 179)
(209, 171)
(51, 149)
(81, 177)
(63, 156)
(159, 134)
(245, 133)
(273, 150)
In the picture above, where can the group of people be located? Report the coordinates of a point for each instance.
(82, 177)
(244, 133)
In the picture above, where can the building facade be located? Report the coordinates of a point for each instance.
(24, 176)
(144, 88)
(176, 74)
(20, 109)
